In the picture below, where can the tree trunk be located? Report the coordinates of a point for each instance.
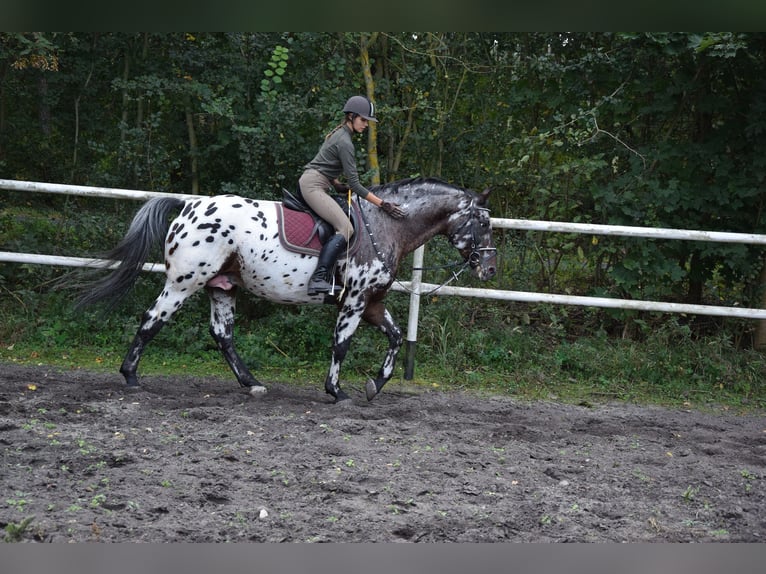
(696, 279)
(45, 109)
(77, 116)
(3, 105)
(372, 133)
(125, 99)
(193, 149)
(140, 102)
(760, 329)
(403, 142)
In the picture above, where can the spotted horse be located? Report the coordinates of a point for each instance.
(227, 242)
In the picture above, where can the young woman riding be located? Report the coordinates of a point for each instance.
(336, 157)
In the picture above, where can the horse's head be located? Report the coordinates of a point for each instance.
(471, 235)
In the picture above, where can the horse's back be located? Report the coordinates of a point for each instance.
(209, 229)
(230, 206)
(218, 220)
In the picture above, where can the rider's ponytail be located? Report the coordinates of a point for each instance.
(335, 129)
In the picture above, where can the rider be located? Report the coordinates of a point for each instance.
(336, 157)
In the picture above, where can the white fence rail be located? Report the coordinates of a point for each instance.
(415, 287)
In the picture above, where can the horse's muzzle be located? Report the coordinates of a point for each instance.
(484, 262)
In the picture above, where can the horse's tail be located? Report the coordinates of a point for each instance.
(147, 230)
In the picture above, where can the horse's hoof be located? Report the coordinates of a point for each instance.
(371, 389)
(342, 399)
(257, 390)
(131, 379)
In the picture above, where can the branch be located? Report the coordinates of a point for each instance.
(592, 113)
(614, 137)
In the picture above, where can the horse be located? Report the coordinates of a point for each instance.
(226, 242)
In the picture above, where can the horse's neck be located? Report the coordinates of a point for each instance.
(422, 224)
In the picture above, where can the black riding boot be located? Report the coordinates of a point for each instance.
(320, 281)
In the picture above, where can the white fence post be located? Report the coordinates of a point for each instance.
(412, 320)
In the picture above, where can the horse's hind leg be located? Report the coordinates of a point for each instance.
(222, 307)
(376, 314)
(151, 323)
(150, 326)
(164, 307)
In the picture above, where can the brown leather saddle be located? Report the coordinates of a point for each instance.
(301, 230)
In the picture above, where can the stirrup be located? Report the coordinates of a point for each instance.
(318, 287)
(323, 286)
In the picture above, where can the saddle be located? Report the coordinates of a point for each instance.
(301, 230)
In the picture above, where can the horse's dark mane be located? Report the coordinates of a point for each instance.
(414, 181)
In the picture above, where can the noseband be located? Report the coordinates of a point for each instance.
(477, 253)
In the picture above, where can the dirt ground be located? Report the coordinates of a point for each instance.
(193, 460)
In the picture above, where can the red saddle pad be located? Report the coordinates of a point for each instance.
(297, 232)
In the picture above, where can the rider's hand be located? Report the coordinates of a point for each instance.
(340, 187)
(393, 209)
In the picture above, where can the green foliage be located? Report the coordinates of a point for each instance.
(277, 67)
(15, 532)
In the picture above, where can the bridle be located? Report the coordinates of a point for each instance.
(477, 253)
(473, 259)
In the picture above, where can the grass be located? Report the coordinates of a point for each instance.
(501, 348)
(689, 374)
(15, 532)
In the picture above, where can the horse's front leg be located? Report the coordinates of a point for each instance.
(222, 307)
(376, 314)
(345, 327)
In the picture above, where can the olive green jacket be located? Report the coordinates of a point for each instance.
(336, 156)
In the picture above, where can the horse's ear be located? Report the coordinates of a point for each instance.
(485, 195)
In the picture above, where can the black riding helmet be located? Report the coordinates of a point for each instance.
(360, 106)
